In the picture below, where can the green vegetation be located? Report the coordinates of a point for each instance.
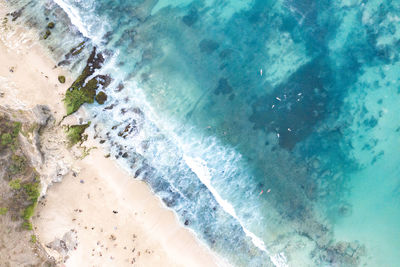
(75, 133)
(46, 34)
(101, 97)
(32, 192)
(9, 132)
(16, 128)
(77, 95)
(6, 139)
(27, 225)
(15, 184)
(28, 212)
(18, 165)
(61, 79)
(23, 179)
(81, 92)
(3, 211)
(33, 239)
(51, 25)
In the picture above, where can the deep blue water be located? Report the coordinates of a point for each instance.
(272, 128)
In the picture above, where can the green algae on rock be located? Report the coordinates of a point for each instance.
(61, 79)
(75, 133)
(77, 49)
(101, 97)
(51, 25)
(46, 34)
(81, 92)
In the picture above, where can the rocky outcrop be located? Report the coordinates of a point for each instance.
(43, 142)
(34, 154)
(20, 159)
(67, 243)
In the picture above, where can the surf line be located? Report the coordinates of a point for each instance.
(75, 18)
(199, 167)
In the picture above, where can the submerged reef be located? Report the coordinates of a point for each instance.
(72, 53)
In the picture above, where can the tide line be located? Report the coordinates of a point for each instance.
(199, 167)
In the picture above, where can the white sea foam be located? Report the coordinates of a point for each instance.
(76, 20)
(74, 17)
(199, 167)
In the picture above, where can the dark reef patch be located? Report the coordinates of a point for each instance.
(223, 87)
(296, 106)
(191, 18)
(208, 46)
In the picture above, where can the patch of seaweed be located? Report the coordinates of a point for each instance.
(75, 133)
(81, 92)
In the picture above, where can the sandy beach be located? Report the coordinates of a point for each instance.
(114, 219)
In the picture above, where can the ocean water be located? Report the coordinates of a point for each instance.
(271, 128)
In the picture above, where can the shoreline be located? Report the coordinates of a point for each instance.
(130, 223)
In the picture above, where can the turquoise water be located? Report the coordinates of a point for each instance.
(270, 127)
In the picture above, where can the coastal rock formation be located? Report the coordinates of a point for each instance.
(67, 243)
(20, 154)
(42, 142)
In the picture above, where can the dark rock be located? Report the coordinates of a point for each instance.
(46, 34)
(64, 63)
(101, 97)
(76, 50)
(120, 87)
(81, 92)
(110, 107)
(16, 14)
(104, 80)
(61, 79)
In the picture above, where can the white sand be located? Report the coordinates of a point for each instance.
(144, 230)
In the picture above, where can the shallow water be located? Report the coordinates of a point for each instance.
(294, 166)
